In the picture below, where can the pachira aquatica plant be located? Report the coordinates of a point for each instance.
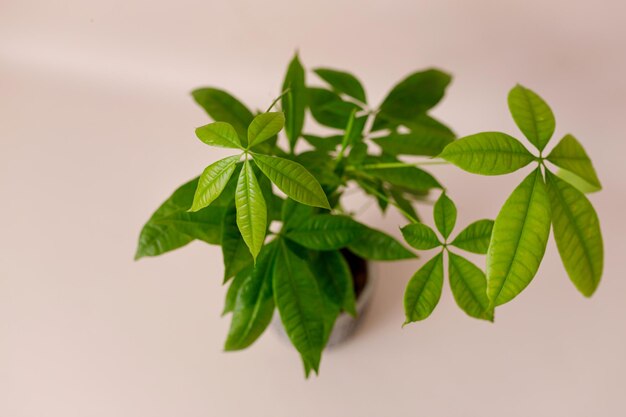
(297, 186)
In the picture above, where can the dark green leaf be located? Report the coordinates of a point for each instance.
(233, 290)
(294, 214)
(299, 303)
(488, 153)
(475, 237)
(328, 109)
(518, 241)
(219, 134)
(265, 126)
(425, 141)
(223, 107)
(295, 101)
(406, 177)
(444, 213)
(251, 210)
(570, 155)
(326, 232)
(577, 234)
(335, 279)
(378, 246)
(292, 179)
(343, 82)
(326, 144)
(213, 181)
(404, 204)
(420, 236)
(234, 250)
(469, 287)
(532, 115)
(254, 305)
(321, 165)
(424, 290)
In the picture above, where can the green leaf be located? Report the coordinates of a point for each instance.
(329, 109)
(235, 252)
(488, 153)
(213, 181)
(342, 82)
(295, 101)
(532, 115)
(420, 236)
(254, 305)
(335, 279)
(326, 232)
(578, 183)
(378, 246)
(407, 177)
(292, 179)
(251, 210)
(326, 144)
(570, 155)
(404, 204)
(416, 94)
(424, 290)
(321, 165)
(223, 107)
(469, 287)
(265, 126)
(219, 134)
(233, 290)
(299, 303)
(519, 238)
(294, 214)
(424, 140)
(577, 234)
(475, 237)
(444, 213)
(171, 227)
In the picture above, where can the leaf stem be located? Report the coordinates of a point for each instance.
(276, 99)
(393, 203)
(386, 165)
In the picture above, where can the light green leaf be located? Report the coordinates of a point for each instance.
(254, 305)
(424, 290)
(420, 236)
(265, 126)
(475, 237)
(577, 234)
(532, 115)
(335, 279)
(223, 107)
(378, 246)
(219, 134)
(469, 287)
(294, 103)
(578, 183)
(233, 290)
(235, 253)
(342, 82)
(213, 181)
(326, 232)
(444, 213)
(488, 153)
(292, 179)
(519, 238)
(570, 155)
(299, 303)
(422, 140)
(251, 210)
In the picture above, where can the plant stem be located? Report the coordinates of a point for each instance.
(385, 165)
(276, 100)
(393, 203)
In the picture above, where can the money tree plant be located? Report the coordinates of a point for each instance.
(276, 206)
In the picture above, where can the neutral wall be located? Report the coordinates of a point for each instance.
(96, 128)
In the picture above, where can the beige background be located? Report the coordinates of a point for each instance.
(96, 128)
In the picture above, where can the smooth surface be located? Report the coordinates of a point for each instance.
(97, 127)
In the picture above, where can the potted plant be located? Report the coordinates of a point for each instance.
(289, 245)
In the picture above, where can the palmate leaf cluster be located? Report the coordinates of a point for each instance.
(283, 175)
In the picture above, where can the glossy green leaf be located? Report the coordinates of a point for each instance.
(424, 290)
(235, 252)
(335, 279)
(378, 246)
(299, 303)
(219, 134)
(532, 115)
(326, 232)
(343, 82)
(519, 239)
(416, 94)
(265, 126)
(213, 181)
(475, 237)
(426, 141)
(292, 179)
(488, 153)
(570, 155)
(578, 183)
(577, 234)
(223, 107)
(251, 210)
(469, 287)
(444, 213)
(294, 214)
(254, 306)
(294, 103)
(420, 236)
(233, 290)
